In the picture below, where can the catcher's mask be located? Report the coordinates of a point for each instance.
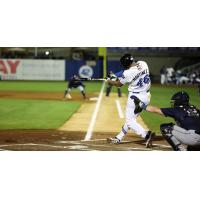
(180, 99)
(126, 60)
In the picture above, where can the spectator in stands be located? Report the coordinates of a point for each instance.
(193, 77)
(170, 74)
(178, 75)
(1, 73)
(197, 80)
(184, 78)
(163, 75)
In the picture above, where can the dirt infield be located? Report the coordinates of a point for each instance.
(41, 95)
(53, 140)
(71, 137)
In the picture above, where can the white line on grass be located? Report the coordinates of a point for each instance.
(94, 116)
(119, 108)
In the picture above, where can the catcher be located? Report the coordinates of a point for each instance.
(187, 128)
(74, 82)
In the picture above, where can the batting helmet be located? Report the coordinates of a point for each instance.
(180, 99)
(126, 60)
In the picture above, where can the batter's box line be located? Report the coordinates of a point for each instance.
(124, 142)
(116, 147)
(32, 144)
(83, 149)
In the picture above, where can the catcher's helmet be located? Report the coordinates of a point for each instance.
(180, 99)
(126, 60)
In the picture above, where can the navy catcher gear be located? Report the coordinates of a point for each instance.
(180, 99)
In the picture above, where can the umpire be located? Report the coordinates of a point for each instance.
(187, 118)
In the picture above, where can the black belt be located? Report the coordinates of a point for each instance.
(140, 92)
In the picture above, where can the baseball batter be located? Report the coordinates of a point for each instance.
(136, 75)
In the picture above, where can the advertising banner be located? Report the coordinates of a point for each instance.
(84, 69)
(29, 69)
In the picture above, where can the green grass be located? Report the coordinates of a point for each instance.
(160, 97)
(31, 113)
(49, 86)
(35, 114)
(44, 86)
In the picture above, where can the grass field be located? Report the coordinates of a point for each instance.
(43, 86)
(42, 114)
(34, 114)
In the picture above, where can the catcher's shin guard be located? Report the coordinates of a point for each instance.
(166, 130)
(138, 109)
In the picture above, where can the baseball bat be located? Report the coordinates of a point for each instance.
(92, 79)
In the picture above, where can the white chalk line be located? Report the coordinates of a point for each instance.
(119, 147)
(79, 145)
(96, 140)
(114, 146)
(3, 150)
(119, 108)
(32, 144)
(94, 116)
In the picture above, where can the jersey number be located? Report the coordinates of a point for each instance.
(143, 81)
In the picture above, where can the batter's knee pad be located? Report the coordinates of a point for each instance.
(138, 109)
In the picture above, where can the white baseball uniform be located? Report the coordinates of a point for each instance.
(139, 83)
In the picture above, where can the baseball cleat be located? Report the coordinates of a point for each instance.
(114, 140)
(149, 138)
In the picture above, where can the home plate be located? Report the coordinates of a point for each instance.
(93, 98)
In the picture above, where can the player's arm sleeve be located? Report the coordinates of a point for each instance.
(168, 112)
(124, 78)
(119, 74)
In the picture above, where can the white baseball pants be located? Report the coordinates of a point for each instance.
(131, 117)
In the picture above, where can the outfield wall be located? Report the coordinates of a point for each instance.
(34, 69)
(84, 69)
(24, 69)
